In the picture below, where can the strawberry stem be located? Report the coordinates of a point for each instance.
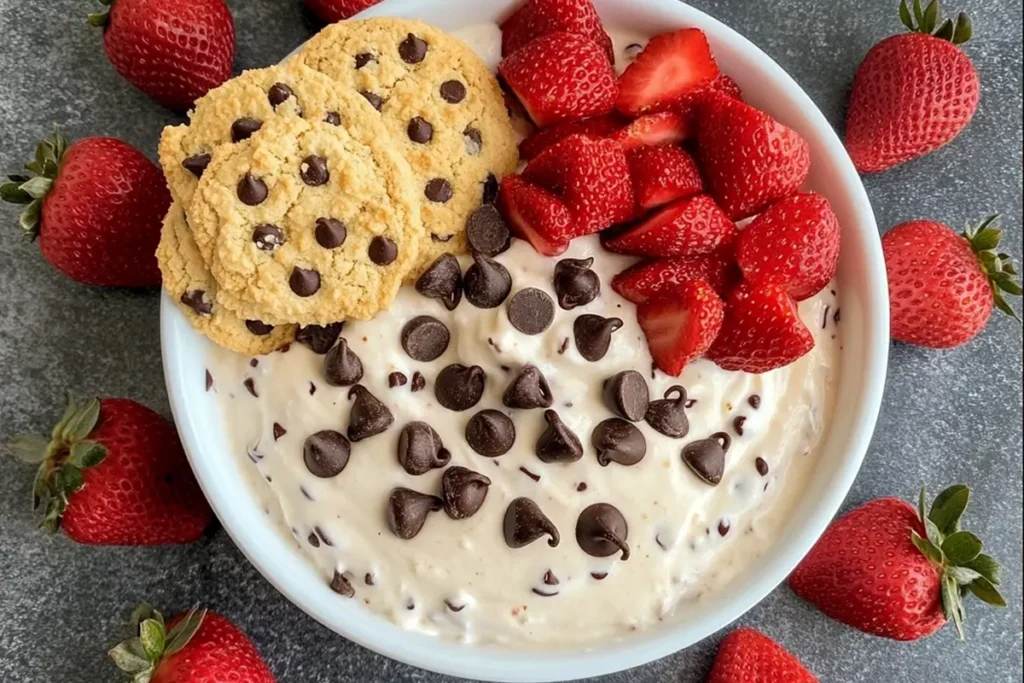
(141, 654)
(1000, 267)
(926, 20)
(30, 189)
(101, 18)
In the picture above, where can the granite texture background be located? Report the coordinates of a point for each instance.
(953, 416)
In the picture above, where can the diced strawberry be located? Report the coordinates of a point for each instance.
(762, 330)
(596, 127)
(794, 243)
(649, 279)
(591, 176)
(671, 65)
(690, 227)
(655, 130)
(661, 175)
(540, 17)
(681, 326)
(535, 215)
(727, 86)
(561, 77)
(688, 106)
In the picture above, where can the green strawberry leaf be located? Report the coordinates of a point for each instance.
(984, 590)
(987, 567)
(964, 29)
(72, 479)
(28, 448)
(184, 630)
(905, 17)
(151, 634)
(12, 193)
(945, 31)
(961, 547)
(931, 17)
(86, 454)
(927, 548)
(952, 605)
(130, 657)
(963, 575)
(29, 219)
(948, 507)
(141, 613)
(82, 421)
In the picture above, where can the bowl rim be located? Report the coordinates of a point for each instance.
(493, 664)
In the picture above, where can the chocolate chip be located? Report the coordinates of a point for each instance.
(558, 443)
(575, 283)
(341, 585)
(243, 128)
(706, 458)
(524, 523)
(490, 433)
(463, 492)
(594, 335)
(382, 250)
(626, 395)
(599, 576)
(420, 449)
(408, 510)
(375, 100)
(738, 423)
(267, 237)
(442, 281)
(581, 487)
(453, 606)
(487, 231)
(618, 441)
(250, 386)
(413, 50)
(364, 58)
(304, 282)
(460, 387)
(601, 531)
(319, 338)
(420, 130)
(313, 540)
(762, 466)
(326, 453)
(531, 311)
(342, 367)
(279, 93)
(550, 579)
(419, 382)
(754, 401)
(197, 301)
(209, 380)
(330, 233)
(196, 164)
(528, 390)
(369, 417)
(368, 579)
(258, 327)
(668, 415)
(425, 338)
(474, 141)
(251, 190)
(313, 171)
(487, 283)
(723, 527)
(397, 379)
(453, 91)
(490, 189)
(333, 118)
(279, 431)
(438, 190)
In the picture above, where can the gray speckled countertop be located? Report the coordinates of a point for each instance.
(953, 416)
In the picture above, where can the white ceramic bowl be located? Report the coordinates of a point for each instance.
(865, 340)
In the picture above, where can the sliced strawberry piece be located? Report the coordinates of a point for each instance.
(690, 227)
(681, 326)
(535, 215)
(596, 127)
(649, 279)
(795, 243)
(661, 175)
(727, 86)
(671, 65)
(540, 17)
(655, 130)
(762, 330)
(688, 106)
(591, 176)
(561, 77)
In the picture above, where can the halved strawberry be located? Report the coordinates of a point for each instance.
(690, 227)
(762, 330)
(596, 127)
(535, 215)
(561, 77)
(539, 17)
(681, 326)
(661, 175)
(671, 65)
(649, 279)
(655, 130)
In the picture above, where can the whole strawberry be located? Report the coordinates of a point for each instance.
(913, 93)
(195, 647)
(896, 572)
(175, 51)
(113, 472)
(337, 10)
(943, 286)
(96, 208)
(749, 656)
(540, 17)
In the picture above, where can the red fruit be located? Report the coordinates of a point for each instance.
(541, 139)
(748, 656)
(195, 647)
(661, 175)
(762, 330)
(591, 177)
(913, 93)
(114, 473)
(690, 227)
(750, 160)
(689, 105)
(649, 279)
(561, 77)
(540, 17)
(943, 286)
(892, 571)
(96, 208)
(682, 325)
(337, 10)
(175, 51)
(671, 65)
(655, 130)
(795, 243)
(535, 215)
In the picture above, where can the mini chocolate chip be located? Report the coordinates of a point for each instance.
(454, 606)
(196, 164)
(259, 328)
(313, 540)
(550, 579)
(319, 338)
(487, 283)
(254, 362)
(528, 390)
(474, 140)
(364, 58)
(581, 487)
(279, 93)
(618, 441)
(558, 443)
(575, 283)
(762, 466)
(738, 423)
(425, 338)
(723, 527)
(267, 237)
(438, 190)
(706, 458)
(668, 415)
(397, 379)
(626, 394)
(487, 231)
(279, 431)
(375, 100)
(341, 585)
(531, 311)
(524, 523)
(490, 433)
(326, 453)
(250, 386)
(333, 118)
(342, 367)
(330, 233)
(382, 250)
(368, 579)
(369, 417)
(599, 576)
(419, 382)
(408, 510)
(490, 194)
(453, 91)
(209, 380)
(243, 128)
(313, 171)
(420, 449)
(304, 282)
(251, 190)
(197, 301)
(460, 387)
(601, 531)
(412, 50)
(420, 130)
(442, 281)
(754, 401)
(463, 492)
(594, 335)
